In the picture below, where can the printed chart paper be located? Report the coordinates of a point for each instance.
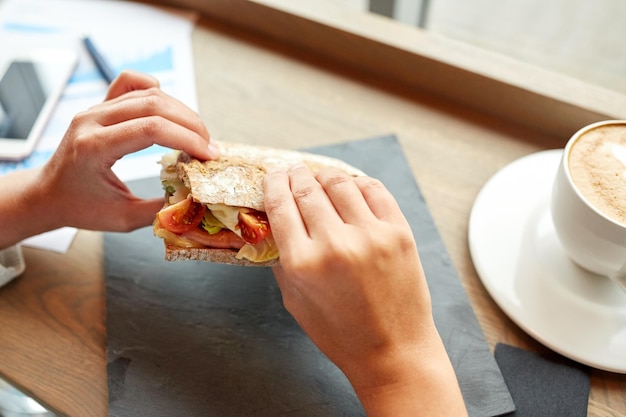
(130, 36)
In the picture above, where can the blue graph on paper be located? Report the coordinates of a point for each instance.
(129, 35)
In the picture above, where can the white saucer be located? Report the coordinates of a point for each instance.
(520, 261)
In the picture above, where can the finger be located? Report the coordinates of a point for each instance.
(380, 201)
(140, 107)
(345, 196)
(129, 81)
(317, 211)
(282, 212)
(146, 103)
(143, 213)
(131, 213)
(136, 134)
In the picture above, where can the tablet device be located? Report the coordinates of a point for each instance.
(31, 83)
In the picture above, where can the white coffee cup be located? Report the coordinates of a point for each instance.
(589, 199)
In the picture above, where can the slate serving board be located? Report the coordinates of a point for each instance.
(201, 339)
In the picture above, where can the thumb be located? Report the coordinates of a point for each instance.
(142, 213)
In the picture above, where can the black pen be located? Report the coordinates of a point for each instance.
(103, 67)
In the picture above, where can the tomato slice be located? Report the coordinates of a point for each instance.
(254, 226)
(182, 216)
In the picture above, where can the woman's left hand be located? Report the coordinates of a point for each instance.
(81, 190)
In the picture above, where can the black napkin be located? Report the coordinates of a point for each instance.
(540, 386)
(200, 339)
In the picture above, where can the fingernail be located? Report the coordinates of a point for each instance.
(274, 169)
(298, 165)
(214, 151)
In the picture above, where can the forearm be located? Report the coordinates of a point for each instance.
(24, 207)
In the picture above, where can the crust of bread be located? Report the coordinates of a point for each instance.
(224, 256)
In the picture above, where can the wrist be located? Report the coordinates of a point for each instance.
(25, 206)
(414, 381)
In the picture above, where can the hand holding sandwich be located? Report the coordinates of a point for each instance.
(76, 187)
(351, 276)
(349, 269)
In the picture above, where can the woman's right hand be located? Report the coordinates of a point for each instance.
(351, 276)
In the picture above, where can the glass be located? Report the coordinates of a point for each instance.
(14, 403)
(577, 38)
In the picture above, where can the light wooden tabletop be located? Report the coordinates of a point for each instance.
(52, 327)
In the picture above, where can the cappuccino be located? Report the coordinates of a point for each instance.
(597, 166)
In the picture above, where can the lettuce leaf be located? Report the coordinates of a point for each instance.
(263, 251)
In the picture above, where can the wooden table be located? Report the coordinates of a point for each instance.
(52, 327)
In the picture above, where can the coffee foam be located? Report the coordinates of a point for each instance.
(597, 165)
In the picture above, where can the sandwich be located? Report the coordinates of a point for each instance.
(214, 210)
